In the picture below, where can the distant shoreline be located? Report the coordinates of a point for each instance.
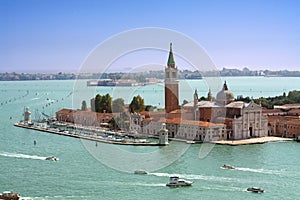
(141, 77)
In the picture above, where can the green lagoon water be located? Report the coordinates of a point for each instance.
(79, 175)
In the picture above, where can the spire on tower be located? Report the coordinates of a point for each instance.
(171, 61)
(209, 95)
(225, 86)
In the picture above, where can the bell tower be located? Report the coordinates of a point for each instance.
(171, 84)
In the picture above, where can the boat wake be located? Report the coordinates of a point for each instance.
(19, 155)
(149, 184)
(263, 171)
(224, 188)
(36, 98)
(197, 177)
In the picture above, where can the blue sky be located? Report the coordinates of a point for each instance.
(57, 35)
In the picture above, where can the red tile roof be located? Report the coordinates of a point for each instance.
(190, 122)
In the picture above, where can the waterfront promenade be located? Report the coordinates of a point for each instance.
(260, 140)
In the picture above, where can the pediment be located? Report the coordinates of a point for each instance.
(252, 106)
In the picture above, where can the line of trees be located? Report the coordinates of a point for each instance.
(105, 103)
(293, 97)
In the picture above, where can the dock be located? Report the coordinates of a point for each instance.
(85, 136)
(260, 140)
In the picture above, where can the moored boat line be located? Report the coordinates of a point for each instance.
(94, 137)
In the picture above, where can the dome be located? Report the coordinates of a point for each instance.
(225, 96)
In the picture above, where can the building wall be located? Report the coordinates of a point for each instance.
(171, 97)
(198, 133)
(86, 118)
(251, 124)
(284, 126)
(210, 114)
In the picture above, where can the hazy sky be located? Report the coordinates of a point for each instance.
(57, 35)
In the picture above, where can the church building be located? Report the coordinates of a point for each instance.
(201, 121)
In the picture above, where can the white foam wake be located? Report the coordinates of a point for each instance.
(197, 177)
(264, 171)
(19, 155)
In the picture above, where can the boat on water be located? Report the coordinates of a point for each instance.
(140, 171)
(8, 195)
(175, 181)
(190, 142)
(53, 158)
(228, 167)
(255, 189)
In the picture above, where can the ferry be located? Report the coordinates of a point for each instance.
(8, 195)
(175, 181)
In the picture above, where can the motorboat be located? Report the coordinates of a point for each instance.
(8, 195)
(228, 167)
(190, 142)
(175, 181)
(53, 158)
(255, 189)
(140, 171)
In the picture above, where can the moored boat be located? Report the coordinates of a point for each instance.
(8, 195)
(255, 189)
(175, 181)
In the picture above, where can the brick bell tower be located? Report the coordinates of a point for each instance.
(171, 84)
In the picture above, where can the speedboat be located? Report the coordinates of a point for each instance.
(7, 195)
(53, 158)
(228, 167)
(140, 171)
(175, 181)
(255, 189)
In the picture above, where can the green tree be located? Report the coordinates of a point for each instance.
(103, 103)
(98, 100)
(137, 104)
(150, 108)
(118, 105)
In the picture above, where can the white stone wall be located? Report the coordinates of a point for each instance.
(252, 123)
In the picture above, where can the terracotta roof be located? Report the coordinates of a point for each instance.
(271, 111)
(65, 111)
(237, 104)
(292, 105)
(190, 122)
(178, 111)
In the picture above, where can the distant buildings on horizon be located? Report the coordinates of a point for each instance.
(140, 76)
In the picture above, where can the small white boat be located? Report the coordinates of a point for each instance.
(53, 158)
(140, 171)
(175, 181)
(255, 189)
(8, 195)
(190, 142)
